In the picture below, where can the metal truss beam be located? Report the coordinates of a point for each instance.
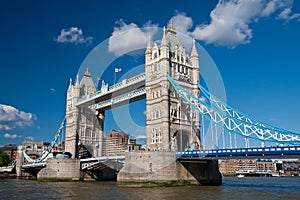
(233, 121)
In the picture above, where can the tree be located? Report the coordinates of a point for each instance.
(4, 158)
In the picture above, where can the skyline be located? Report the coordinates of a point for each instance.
(40, 52)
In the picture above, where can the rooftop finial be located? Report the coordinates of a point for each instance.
(87, 73)
(171, 27)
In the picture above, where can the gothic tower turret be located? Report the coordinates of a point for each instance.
(71, 121)
(170, 123)
(84, 125)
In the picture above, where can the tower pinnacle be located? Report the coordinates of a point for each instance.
(164, 40)
(194, 52)
(149, 44)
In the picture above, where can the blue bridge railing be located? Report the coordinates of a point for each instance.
(285, 151)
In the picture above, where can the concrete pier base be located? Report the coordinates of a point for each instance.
(163, 167)
(61, 169)
(205, 171)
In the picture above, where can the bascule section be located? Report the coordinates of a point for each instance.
(171, 124)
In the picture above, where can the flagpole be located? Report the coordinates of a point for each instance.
(97, 85)
(116, 71)
(115, 78)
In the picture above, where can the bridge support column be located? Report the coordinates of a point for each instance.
(61, 169)
(20, 160)
(205, 171)
(164, 168)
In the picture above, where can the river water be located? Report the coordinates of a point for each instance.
(232, 188)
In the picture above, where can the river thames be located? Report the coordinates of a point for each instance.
(232, 188)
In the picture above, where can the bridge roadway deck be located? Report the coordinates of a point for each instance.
(259, 152)
(34, 165)
(125, 88)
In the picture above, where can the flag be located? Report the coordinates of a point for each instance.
(118, 70)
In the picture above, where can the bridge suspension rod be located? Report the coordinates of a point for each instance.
(50, 147)
(233, 122)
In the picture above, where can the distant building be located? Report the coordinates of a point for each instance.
(266, 164)
(34, 149)
(229, 167)
(10, 150)
(116, 143)
(60, 147)
(291, 168)
(133, 146)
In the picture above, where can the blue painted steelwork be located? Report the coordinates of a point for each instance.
(284, 151)
(48, 150)
(232, 121)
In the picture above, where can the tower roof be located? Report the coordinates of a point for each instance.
(172, 39)
(86, 84)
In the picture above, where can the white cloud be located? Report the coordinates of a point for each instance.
(52, 90)
(287, 14)
(10, 136)
(11, 118)
(73, 35)
(182, 22)
(230, 20)
(230, 25)
(141, 137)
(129, 37)
(29, 138)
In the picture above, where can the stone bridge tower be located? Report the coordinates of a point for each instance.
(170, 123)
(84, 125)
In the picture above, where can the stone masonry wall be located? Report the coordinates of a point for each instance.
(61, 169)
(153, 167)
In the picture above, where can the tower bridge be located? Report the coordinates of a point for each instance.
(175, 151)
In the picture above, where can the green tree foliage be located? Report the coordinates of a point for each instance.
(4, 158)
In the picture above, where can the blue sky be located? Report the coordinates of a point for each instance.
(43, 44)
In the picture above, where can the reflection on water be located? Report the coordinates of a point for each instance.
(232, 188)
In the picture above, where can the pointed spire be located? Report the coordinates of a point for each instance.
(164, 40)
(148, 50)
(149, 42)
(70, 85)
(70, 82)
(194, 52)
(77, 80)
